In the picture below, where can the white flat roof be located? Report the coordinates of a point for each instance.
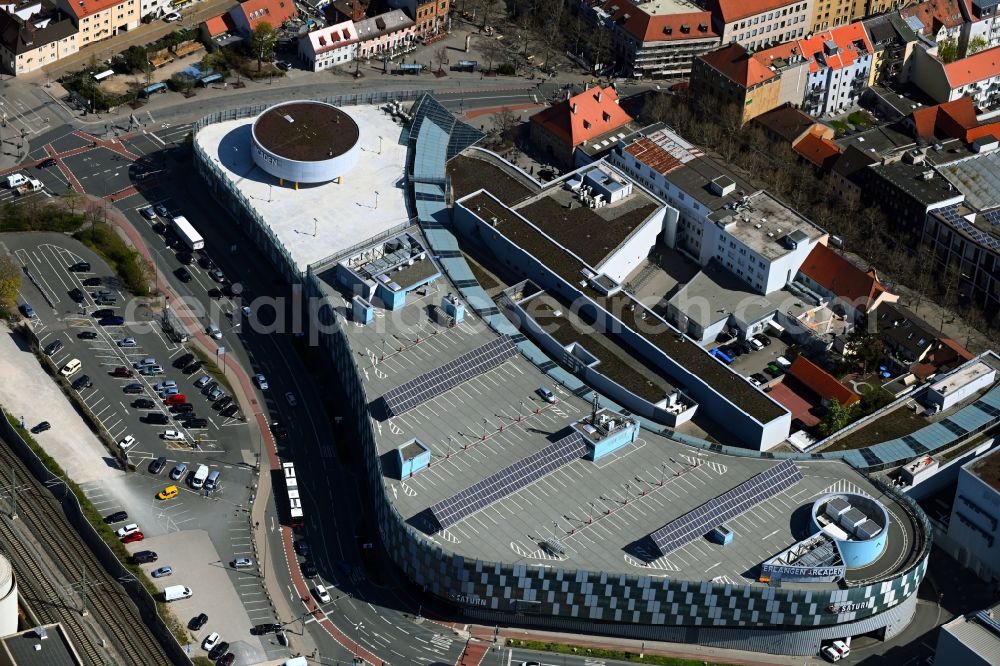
(317, 221)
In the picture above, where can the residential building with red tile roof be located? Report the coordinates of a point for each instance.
(821, 382)
(430, 16)
(941, 19)
(29, 40)
(976, 76)
(217, 26)
(829, 14)
(560, 129)
(732, 75)
(657, 39)
(853, 291)
(757, 23)
(951, 120)
(818, 150)
(97, 20)
(329, 47)
(840, 62)
(248, 15)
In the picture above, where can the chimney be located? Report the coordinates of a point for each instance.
(572, 107)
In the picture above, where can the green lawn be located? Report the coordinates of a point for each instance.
(595, 653)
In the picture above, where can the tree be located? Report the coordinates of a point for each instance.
(504, 123)
(263, 42)
(10, 282)
(137, 59)
(837, 418)
(493, 50)
(441, 55)
(976, 44)
(948, 50)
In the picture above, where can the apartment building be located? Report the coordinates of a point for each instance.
(829, 14)
(429, 16)
(248, 15)
(840, 62)
(97, 20)
(386, 35)
(940, 20)
(976, 76)
(759, 23)
(731, 75)
(893, 41)
(30, 40)
(563, 129)
(656, 39)
(721, 217)
(330, 46)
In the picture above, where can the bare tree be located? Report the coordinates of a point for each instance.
(505, 122)
(441, 55)
(493, 51)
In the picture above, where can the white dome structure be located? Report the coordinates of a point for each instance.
(8, 598)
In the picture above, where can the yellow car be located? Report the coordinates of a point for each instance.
(169, 492)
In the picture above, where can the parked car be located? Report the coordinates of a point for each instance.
(213, 331)
(217, 275)
(760, 377)
(103, 312)
(182, 408)
(127, 343)
(762, 339)
(41, 427)
(147, 212)
(264, 629)
(28, 311)
(309, 569)
(290, 398)
(261, 382)
(195, 423)
(143, 403)
(53, 347)
(197, 622)
(214, 394)
(151, 370)
(126, 442)
(172, 17)
(159, 228)
(133, 388)
(173, 436)
(162, 572)
(205, 262)
(122, 371)
(45, 164)
(192, 368)
(87, 335)
(185, 258)
(226, 659)
(219, 650)
(283, 65)
(167, 493)
(242, 563)
(175, 399)
(182, 360)
(178, 471)
(112, 321)
(211, 641)
(82, 382)
(222, 402)
(165, 384)
(157, 465)
(116, 517)
(230, 411)
(131, 528)
(215, 293)
(77, 294)
(92, 282)
(80, 267)
(155, 418)
(144, 557)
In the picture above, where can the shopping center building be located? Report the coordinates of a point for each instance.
(502, 482)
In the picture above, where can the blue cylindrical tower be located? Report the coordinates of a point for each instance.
(859, 524)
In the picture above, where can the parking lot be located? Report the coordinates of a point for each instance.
(223, 444)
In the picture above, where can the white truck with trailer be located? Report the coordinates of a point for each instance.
(188, 234)
(31, 185)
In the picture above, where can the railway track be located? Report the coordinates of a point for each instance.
(105, 599)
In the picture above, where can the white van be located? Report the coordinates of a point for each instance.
(71, 368)
(175, 592)
(200, 475)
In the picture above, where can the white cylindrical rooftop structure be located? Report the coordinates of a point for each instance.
(305, 141)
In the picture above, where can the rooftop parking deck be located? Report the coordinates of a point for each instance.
(600, 513)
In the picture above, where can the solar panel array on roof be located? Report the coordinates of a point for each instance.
(727, 506)
(430, 384)
(951, 215)
(509, 480)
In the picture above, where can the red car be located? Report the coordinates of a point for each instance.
(135, 536)
(176, 399)
(121, 371)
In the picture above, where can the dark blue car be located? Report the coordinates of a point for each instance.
(112, 321)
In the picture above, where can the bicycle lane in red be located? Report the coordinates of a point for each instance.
(207, 344)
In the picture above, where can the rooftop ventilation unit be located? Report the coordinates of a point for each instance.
(722, 186)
